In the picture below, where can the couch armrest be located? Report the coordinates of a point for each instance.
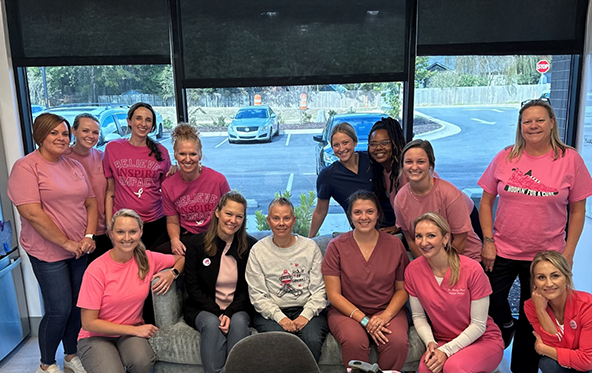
(167, 307)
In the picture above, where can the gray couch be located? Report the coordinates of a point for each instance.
(177, 345)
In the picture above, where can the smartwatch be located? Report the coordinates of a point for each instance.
(175, 272)
(365, 321)
(91, 236)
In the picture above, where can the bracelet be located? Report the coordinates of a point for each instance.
(351, 314)
(365, 321)
(488, 239)
(91, 236)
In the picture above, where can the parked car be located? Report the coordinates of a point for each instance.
(37, 108)
(253, 123)
(112, 119)
(362, 123)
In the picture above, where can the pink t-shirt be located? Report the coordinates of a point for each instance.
(61, 188)
(194, 202)
(116, 290)
(449, 308)
(137, 177)
(533, 196)
(227, 279)
(369, 285)
(446, 200)
(93, 164)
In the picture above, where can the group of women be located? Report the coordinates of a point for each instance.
(78, 205)
(542, 185)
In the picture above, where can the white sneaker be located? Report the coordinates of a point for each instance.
(73, 366)
(53, 368)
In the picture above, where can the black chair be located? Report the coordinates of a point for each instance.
(271, 352)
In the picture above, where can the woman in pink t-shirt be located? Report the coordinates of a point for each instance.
(427, 193)
(189, 197)
(114, 337)
(538, 180)
(364, 280)
(135, 169)
(454, 292)
(86, 132)
(58, 214)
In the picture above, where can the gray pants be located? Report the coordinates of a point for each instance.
(116, 354)
(215, 346)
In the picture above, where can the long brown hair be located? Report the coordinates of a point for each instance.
(210, 247)
(444, 228)
(140, 249)
(151, 144)
(556, 144)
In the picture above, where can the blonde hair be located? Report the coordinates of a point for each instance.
(345, 128)
(140, 249)
(45, 123)
(210, 247)
(444, 227)
(556, 143)
(557, 260)
(186, 132)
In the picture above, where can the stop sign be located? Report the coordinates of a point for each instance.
(543, 66)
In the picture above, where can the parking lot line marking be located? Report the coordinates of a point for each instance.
(226, 139)
(290, 181)
(482, 121)
(288, 139)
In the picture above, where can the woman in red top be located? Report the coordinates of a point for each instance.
(561, 316)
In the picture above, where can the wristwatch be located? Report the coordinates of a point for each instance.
(91, 236)
(364, 321)
(175, 272)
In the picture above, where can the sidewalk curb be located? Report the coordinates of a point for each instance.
(447, 129)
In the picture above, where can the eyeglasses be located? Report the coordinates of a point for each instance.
(536, 101)
(375, 144)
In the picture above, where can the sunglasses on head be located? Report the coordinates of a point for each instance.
(536, 101)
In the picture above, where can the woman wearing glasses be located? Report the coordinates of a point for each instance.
(385, 144)
(341, 179)
(538, 180)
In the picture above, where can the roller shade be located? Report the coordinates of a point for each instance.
(75, 32)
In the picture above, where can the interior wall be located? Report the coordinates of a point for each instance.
(583, 256)
(13, 149)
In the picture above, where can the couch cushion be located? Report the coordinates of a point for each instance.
(178, 343)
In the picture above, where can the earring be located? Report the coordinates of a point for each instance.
(200, 166)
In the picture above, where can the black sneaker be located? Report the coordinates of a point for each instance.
(508, 332)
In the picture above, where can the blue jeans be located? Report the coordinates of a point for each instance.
(60, 283)
(313, 334)
(548, 365)
(215, 346)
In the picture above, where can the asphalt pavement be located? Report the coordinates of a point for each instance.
(464, 146)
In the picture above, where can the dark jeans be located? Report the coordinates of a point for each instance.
(103, 244)
(313, 334)
(151, 232)
(548, 365)
(215, 346)
(60, 283)
(524, 357)
(163, 243)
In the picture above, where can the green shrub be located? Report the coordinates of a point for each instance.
(220, 121)
(303, 213)
(332, 112)
(167, 123)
